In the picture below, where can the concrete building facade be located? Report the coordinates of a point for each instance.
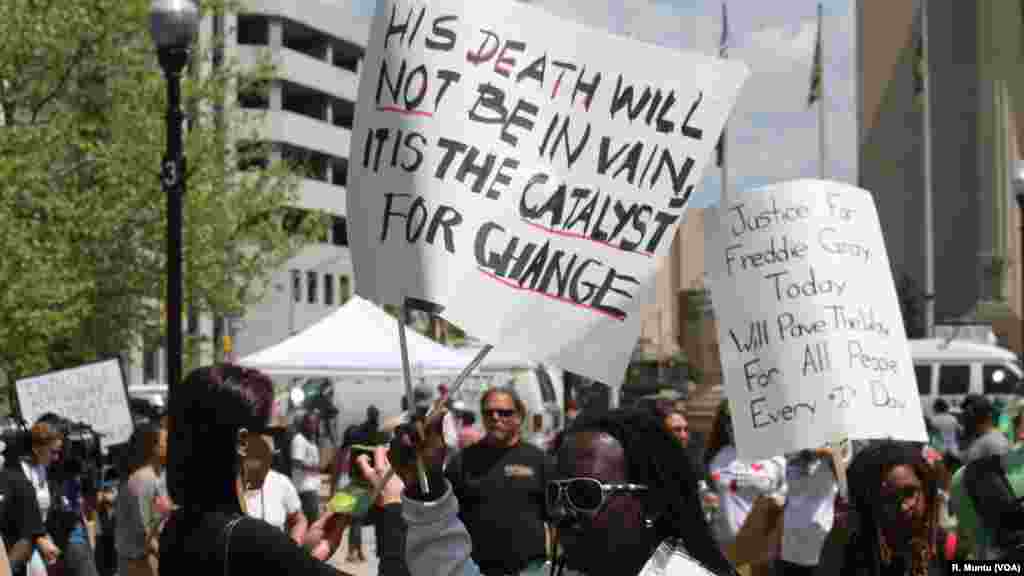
(976, 98)
(317, 48)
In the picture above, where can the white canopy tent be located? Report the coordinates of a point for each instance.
(360, 339)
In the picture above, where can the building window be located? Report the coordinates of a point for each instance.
(302, 38)
(311, 287)
(328, 289)
(302, 100)
(344, 289)
(344, 112)
(339, 174)
(296, 286)
(339, 231)
(253, 29)
(347, 55)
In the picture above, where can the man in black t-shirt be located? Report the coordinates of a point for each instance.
(500, 483)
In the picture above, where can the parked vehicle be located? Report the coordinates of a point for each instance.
(952, 369)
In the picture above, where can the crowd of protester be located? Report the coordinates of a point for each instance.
(610, 493)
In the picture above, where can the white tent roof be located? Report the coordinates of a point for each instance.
(498, 359)
(358, 338)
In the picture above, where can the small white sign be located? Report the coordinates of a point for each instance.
(92, 394)
(526, 172)
(810, 331)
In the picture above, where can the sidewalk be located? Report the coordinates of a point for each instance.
(368, 568)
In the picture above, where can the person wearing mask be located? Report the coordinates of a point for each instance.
(500, 483)
(222, 413)
(740, 486)
(624, 499)
(979, 423)
(142, 504)
(306, 467)
(270, 495)
(893, 514)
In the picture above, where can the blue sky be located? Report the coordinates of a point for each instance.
(773, 135)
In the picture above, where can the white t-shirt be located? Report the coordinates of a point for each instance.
(37, 476)
(273, 503)
(738, 484)
(810, 504)
(305, 452)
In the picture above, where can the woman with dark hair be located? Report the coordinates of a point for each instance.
(625, 503)
(218, 415)
(894, 513)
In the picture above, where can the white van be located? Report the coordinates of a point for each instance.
(952, 369)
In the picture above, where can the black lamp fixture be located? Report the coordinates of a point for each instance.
(174, 25)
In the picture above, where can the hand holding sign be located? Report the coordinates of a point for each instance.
(813, 345)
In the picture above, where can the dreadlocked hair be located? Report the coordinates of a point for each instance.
(868, 548)
(658, 460)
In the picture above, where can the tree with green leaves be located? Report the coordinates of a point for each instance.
(82, 133)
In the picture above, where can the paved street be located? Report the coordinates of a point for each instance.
(368, 568)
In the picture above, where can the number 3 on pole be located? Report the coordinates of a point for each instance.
(170, 175)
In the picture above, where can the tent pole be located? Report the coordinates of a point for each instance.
(421, 469)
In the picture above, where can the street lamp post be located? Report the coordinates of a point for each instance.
(173, 24)
(1018, 189)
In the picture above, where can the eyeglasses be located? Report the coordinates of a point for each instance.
(496, 412)
(585, 496)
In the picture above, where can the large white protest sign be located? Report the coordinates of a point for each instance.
(525, 172)
(810, 330)
(92, 394)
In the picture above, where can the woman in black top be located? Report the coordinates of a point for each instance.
(217, 414)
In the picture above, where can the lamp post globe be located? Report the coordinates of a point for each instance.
(173, 23)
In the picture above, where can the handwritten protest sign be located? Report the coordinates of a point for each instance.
(525, 172)
(92, 394)
(810, 330)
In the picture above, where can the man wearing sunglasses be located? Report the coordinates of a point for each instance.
(625, 503)
(500, 482)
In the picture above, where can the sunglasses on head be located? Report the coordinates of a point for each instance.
(586, 496)
(498, 412)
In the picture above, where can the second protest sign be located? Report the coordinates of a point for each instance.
(811, 336)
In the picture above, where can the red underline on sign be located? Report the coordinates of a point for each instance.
(577, 235)
(398, 110)
(514, 286)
